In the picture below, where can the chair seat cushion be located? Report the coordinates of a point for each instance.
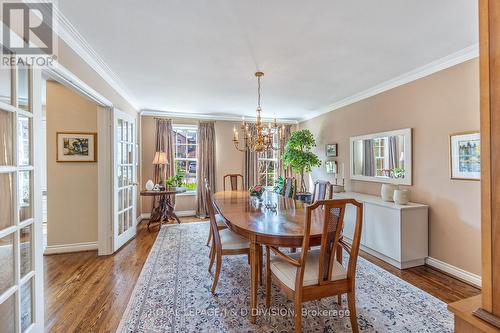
(232, 241)
(220, 220)
(286, 272)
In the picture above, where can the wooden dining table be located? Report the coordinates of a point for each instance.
(279, 226)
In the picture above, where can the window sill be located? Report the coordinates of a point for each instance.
(187, 194)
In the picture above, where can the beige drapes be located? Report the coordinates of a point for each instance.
(368, 158)
(206, 164)
(6, 181)
(6, 135)
(284, 171)
(165, 144)
(250, 170)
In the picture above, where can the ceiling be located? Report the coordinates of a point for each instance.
(200, 56)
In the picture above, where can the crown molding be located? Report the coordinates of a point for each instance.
(199, 116)
(70, 35)
(451, 60)
(61, 74)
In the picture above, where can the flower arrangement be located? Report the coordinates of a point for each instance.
(256, 191)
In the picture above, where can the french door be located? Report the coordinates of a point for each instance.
(124, 175)
(21, 262)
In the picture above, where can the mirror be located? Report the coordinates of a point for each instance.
(382, 157)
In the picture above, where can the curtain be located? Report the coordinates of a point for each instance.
(206, 164)
(368, 158)
(284, 171)
(165, 144)
(6, 136)
(6, 179)
(393, 152)
(251, 162)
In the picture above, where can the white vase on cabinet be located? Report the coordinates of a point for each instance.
(401, 197)
(387, 192)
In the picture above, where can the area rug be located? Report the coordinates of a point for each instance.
(172, 294)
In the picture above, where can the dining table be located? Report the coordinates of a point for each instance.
(274, 220)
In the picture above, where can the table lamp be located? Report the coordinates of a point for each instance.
(161, 159)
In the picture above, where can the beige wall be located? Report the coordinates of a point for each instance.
(71, 187)
(228, 159)
(75, 64)
(435, 106)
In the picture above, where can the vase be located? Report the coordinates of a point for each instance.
(401, 197)
(150, 185)
(387, 192)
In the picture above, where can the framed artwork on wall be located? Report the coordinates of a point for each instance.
(331, 150)
(76, 147)
(465, 156)
(331, 167)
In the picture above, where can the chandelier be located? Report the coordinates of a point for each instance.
(264, 137)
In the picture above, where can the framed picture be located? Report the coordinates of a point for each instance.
(465, 157)
(331, 167)
(331, 150)
(76, 147)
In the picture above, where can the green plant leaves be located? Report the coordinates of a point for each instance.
(298, 152)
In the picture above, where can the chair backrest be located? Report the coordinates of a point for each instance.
(331, 240)
(212, 208)
(233, 179)
(320, 187)
(290, 187)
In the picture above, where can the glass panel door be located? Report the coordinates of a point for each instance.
(21, 304)
(125, 184)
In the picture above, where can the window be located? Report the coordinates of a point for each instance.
(381, 153)
(186, 141)
(268, 165)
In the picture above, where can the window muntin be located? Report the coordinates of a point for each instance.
(16, 207)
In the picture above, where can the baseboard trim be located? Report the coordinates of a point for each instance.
(456, 272)
(67, 248)
(183, 213)
(180, 213)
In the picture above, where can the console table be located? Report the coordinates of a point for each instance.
(397, 234)
(165, 208)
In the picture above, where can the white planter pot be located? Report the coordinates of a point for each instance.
(387, 192)
(401, 197)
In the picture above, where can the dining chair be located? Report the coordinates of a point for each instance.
(220, 224)
(320, 188)
(290, 187)
(233, 179)
(314, 274)
(224, 242)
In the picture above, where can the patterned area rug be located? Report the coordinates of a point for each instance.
(172, 294)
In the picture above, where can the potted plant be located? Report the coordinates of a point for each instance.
(299, 156)
(177, 179)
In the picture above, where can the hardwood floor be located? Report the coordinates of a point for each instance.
(87, 293)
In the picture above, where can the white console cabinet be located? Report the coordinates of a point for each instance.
(394, 233)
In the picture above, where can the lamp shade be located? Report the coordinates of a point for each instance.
(160, 158)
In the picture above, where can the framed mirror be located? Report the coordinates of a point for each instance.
(384, 157)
